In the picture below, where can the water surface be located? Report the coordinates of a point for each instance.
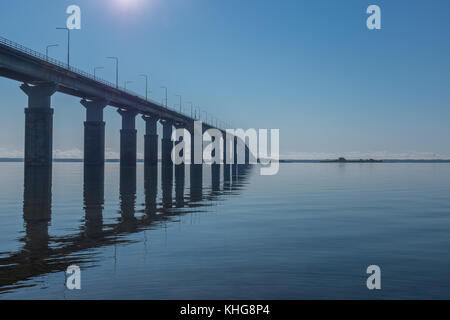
(309, 232)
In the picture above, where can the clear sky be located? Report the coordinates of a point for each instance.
(309, 68)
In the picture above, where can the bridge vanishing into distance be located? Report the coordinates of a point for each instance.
(42, 77)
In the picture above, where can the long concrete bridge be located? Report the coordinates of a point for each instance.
(42, 77)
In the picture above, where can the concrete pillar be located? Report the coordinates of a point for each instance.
(94, 133)
(150, 141)
(128, 138)
(167, 143)
(39, 124)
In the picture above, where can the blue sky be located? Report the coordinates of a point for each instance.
(310, 68)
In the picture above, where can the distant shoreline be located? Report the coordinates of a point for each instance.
(324, 161)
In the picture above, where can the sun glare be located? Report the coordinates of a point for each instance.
(130, 4)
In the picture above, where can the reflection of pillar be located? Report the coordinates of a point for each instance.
(196, 181)
(226, 166)
(247, 155)
(150, 141)
(39, 124)
(167, 143)
(215, 175)
(127, 192)
(215, 170)
(226, 174)
(128, 138)
(180, 173)
(235, 157)
(94, 133)
(151, 188)
(37, 203)
(167, 185)
(179, 185)
(94, 194)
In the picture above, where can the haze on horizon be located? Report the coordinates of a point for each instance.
(309, 68)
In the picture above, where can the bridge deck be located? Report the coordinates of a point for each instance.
(25, 65)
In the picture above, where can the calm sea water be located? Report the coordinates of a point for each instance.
(309, 232)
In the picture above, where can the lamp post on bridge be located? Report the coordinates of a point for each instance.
(206, 114)
(199, 113)
(68, 44)
(48, 47)
(181, 108)
(117, 70)
(146, 85)
(95, 70)
(125, 84)
(166, 94)
(192, 109)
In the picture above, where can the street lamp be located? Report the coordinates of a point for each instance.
(68, 45)
(117, 70)
(125, 84)
(95, 70)
(206, 113)
(48, 47)
(179, 96)
(166, 94)
(146, 85)
(192, 108)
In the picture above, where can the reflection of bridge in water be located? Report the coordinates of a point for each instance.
(43, 254)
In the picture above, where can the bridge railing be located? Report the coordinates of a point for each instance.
(65, 66)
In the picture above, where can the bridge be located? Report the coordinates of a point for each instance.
(42, 76)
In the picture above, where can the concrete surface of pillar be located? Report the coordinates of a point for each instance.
(39, 124)
(94, 133)
(150, 141)
(128, 138)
